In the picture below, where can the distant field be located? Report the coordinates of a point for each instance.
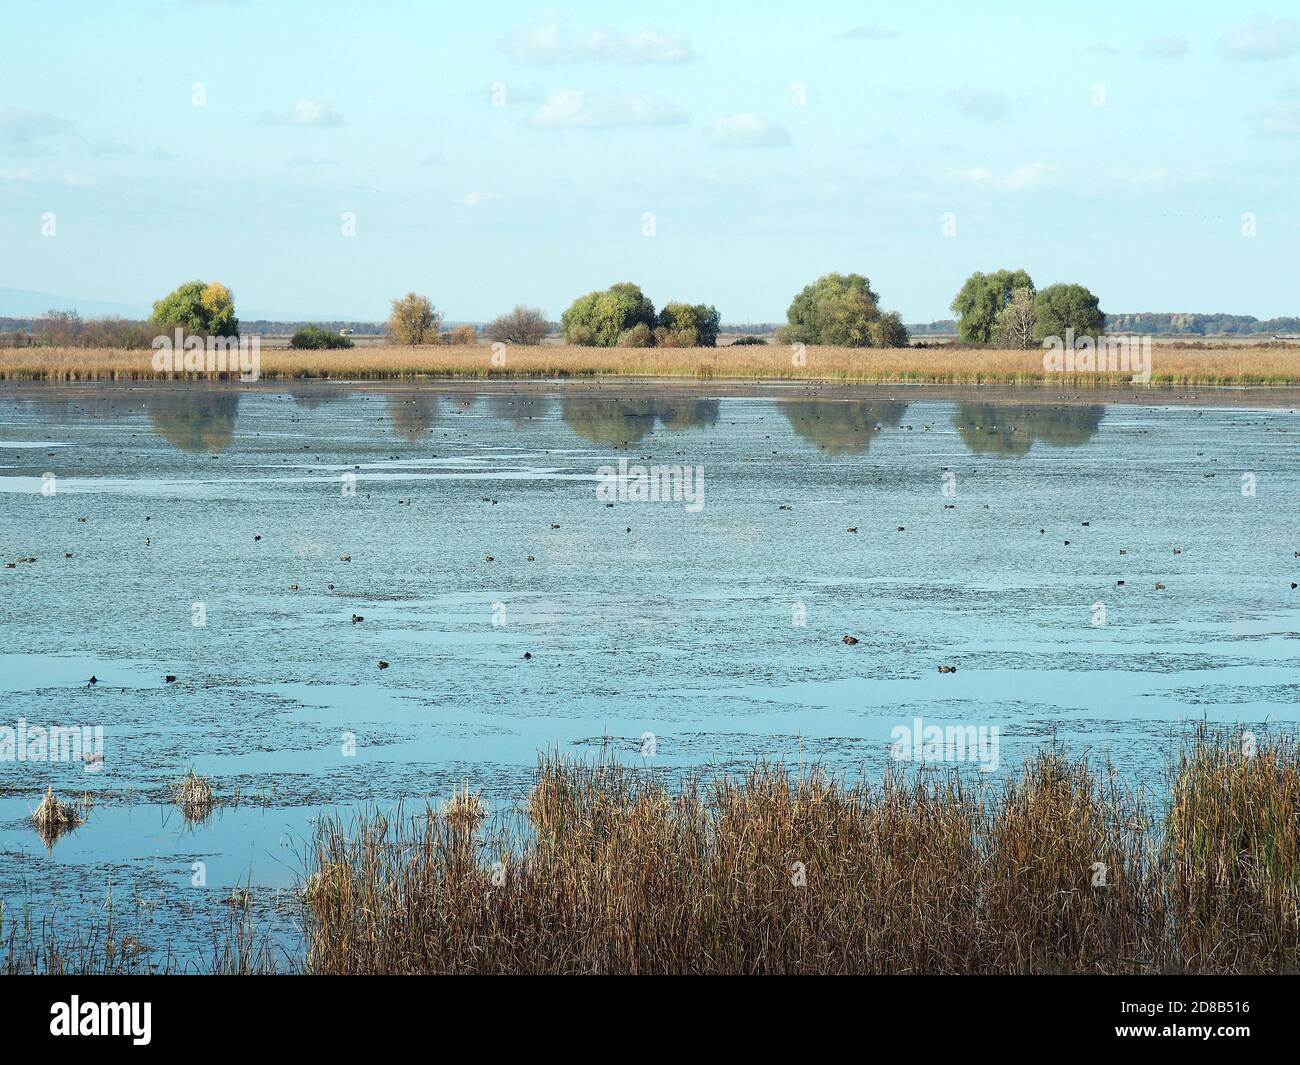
(1171, 365)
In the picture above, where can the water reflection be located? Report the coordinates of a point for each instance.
(1010, 431)
(518, 408)
(624, 422)
(201, 423)
(840, 428)
(413, 415)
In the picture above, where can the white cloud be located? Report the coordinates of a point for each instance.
(1149, 178)
(550, 41)
(1029, 176)
(747, 130)
(584, 109)
(1166, 46)
(978, 103)
(1018, 179)
(305, 112)
(473, 199)
(22, 174)
(1261, 38)
(1279, 119)
(977, 175)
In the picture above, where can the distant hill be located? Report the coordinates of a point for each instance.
(24, 303)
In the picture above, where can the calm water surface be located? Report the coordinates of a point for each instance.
(988, 533)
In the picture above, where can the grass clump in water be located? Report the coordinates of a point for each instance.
(193, 794)
(53, 817)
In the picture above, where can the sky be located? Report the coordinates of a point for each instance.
(322, 157)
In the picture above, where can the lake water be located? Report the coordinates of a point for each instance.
(991, 532)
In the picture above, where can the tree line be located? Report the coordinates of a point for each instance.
(836, 309)
(1003, 308)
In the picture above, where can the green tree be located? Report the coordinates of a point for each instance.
(688, 325)
(414, 320)
(1062, 307)
(838, 309)
(982, 298)
(599, 319)
(202, 307)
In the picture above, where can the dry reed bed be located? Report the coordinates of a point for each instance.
(947, 365)
(1061, 871)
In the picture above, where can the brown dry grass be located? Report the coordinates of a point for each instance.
(193, 794)
(1063, 870)
(1262, 365)
(53, 817)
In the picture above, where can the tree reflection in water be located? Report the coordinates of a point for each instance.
(840, 428)
(1010, 431)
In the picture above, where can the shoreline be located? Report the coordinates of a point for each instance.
(1171, 367)
(622, 385)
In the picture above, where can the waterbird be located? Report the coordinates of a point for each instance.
(947, 669)
(850, 640)
(383, 664)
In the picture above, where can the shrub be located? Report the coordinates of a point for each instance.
(461, 335)
(601, 318)
(523, 325)
(313, 337)
(639, 336)
(888, 331)
(840, 310)
(687, 325)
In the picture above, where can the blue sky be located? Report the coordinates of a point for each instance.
(771, 142)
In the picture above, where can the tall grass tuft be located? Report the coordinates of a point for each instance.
(614, 871)
(1232, 850)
